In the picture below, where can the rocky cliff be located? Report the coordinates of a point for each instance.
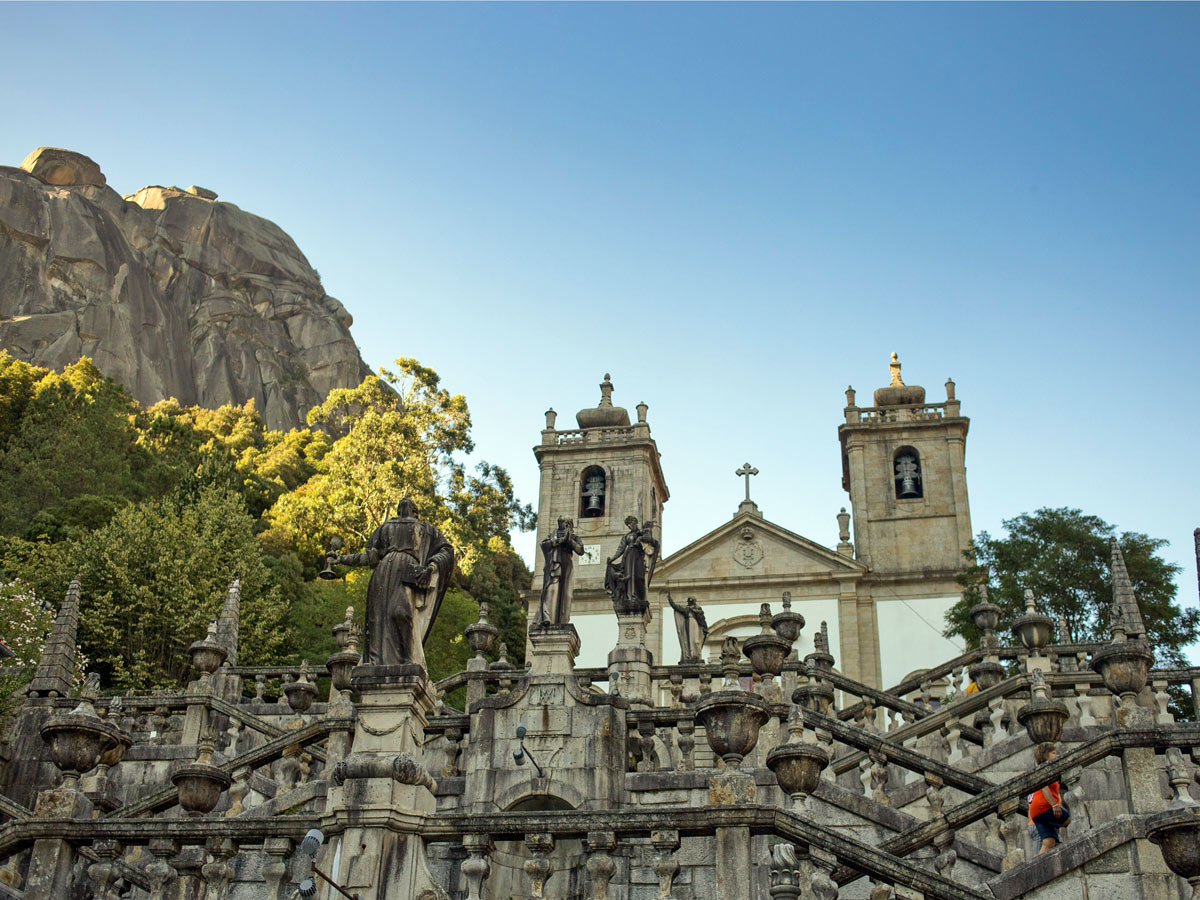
(169, 291)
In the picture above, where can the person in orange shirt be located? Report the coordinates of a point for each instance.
(1046, 809)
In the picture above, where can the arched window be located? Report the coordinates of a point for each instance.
(593, 488)
(906, 468)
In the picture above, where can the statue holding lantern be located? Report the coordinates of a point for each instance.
(412, 563)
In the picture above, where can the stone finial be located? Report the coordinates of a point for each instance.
(894, 366)
(1064, 630)
(1177, 775)
(1030, 602)
(849, 395)
(787, 600)
(56, 668)
(606, 389)
(551, 417)
(821, 639)
(843, 520)
(950, 389)
(642, 409)
(227, 623)
(764, 618)
(1126, 614)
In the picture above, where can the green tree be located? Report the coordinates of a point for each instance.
(157, 574)
(1063, 556)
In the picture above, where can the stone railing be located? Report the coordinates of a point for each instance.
(594, 435)
(872, 415)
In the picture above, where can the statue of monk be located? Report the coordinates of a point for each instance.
(692, 629)
(559, 549)
(412, 565)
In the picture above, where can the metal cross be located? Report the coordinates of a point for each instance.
(747, 471)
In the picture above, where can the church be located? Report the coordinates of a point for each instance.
(882, 590)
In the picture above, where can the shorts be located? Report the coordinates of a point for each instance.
(1047, 823)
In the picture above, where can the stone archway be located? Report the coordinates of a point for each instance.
(508, 878)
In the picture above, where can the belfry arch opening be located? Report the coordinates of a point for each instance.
(593, 492)
(906, 469)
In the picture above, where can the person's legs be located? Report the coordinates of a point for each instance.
(1047, 826)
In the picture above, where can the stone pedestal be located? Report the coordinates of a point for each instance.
(630, 660)
(554, 649)
(384, 789)
(1144, 794)
(52, 860)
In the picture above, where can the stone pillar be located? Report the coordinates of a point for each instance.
(384, 781)
(161, 874)
(666, 867)
(554, 649)
(630, 660)
(52, 860)
(1143, 792)
(540, 866)
(734, 871)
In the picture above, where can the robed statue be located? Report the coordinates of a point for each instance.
(629, 570)
(692, 628)
(559, 549)
(412, 565)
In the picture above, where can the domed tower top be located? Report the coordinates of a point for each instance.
(898, 393)
(605, 415)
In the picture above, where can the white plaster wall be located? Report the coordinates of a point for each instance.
(597, 636)
(910, 636)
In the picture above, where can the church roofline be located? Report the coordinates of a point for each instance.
(838, 561)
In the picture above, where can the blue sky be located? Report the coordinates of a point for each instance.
(735, 210)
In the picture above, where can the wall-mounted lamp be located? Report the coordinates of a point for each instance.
(520, 754)
(308, 888)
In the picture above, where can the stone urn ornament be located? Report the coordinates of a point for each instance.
(1033, 629)
(797, 764)
(985, 616)
(481, 634)
(732, 717)
(1042, 716)
(342, 663)
(201, 783)
(766, 651)
(302, 692)
(79, 739)
(788, 624)
(207, 654)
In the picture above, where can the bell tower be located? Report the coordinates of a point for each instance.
(903, 464)
(597, 474)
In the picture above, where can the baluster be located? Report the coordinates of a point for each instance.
(1163, 700)
(218, 874)
(935, 794)
(1086, 718)
(891, 719)
(869, 715)
(705, 679)
(275, 871)
(104, 872)
(954, 741)
(956, 682)
(879, 779)
(600, 865)
(540, 867)
(664, 737)
(676, 690)
(232, 735)
(823, 864)
(992, 731)
(475, 868)
(666, 867)
(1009, 830)
(160, 874)
(864, 775)
(926, 696)
(238, 791)
(687, 745)
(645, 729)
(947, 856)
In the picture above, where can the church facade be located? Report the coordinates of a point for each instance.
(883, 588)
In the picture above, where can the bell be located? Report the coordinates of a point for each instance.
(594, 503)
(327, 573)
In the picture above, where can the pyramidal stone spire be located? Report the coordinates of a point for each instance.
(227, 624)
(1127, 615)
(56, 668)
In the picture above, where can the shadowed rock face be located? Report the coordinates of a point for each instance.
(170, 292)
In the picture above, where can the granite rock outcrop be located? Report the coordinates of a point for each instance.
(169, 291)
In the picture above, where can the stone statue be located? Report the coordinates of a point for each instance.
(630, 569)
(692, 628)
(559, 550)
(413, 563)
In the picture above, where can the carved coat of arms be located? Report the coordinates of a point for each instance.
(748, 551)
